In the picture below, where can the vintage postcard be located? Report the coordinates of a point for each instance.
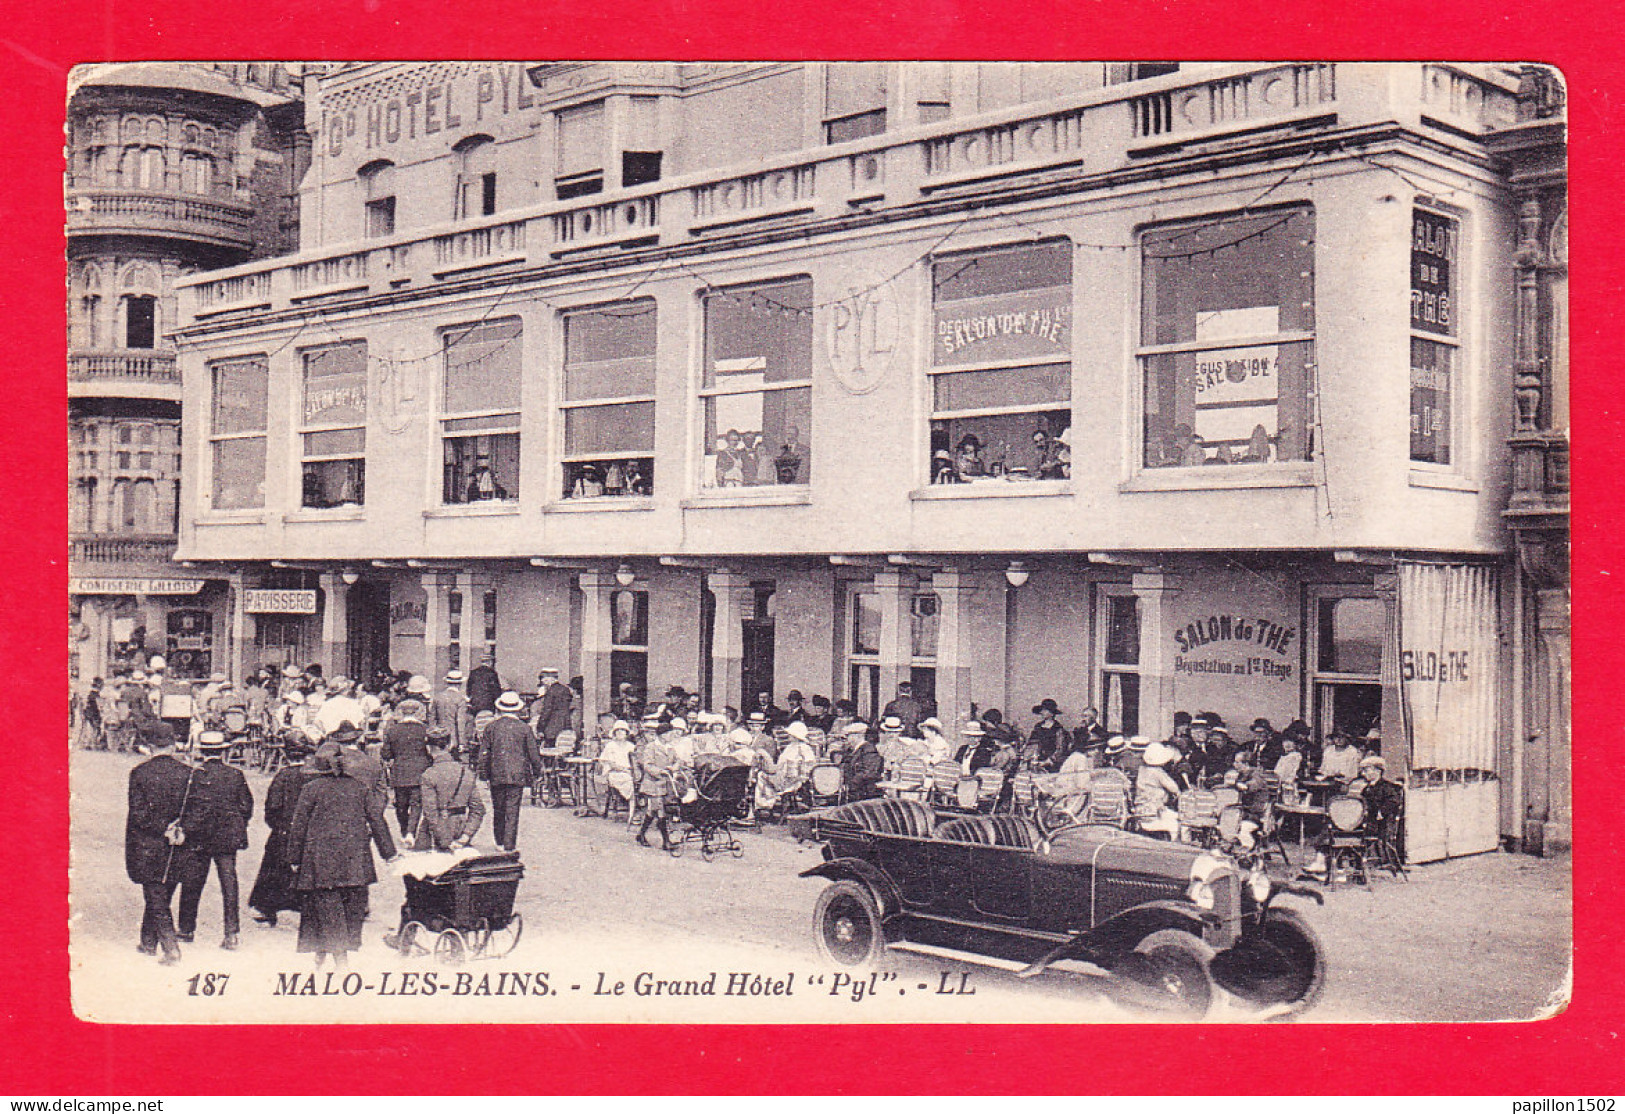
(800, 542)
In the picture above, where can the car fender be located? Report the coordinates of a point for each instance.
(1112, 939)
(866, 874)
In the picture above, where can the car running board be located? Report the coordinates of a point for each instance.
(1077, 966)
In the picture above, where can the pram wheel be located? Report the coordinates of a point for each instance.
(449, 948)
(676, 849)
(736, 847)
(406, 940)
(705, 849)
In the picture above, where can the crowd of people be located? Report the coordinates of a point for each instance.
(443, 758)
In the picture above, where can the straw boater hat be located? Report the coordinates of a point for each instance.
(212, 742)
(932, 723)
(891, 723)
(756, 717)
(1159, 754)
(455, 677)
(510, 702)
(419, 684)
(974, 727)
(1116, 745)
(1139, 742)
(291, 672)
(1373, 760)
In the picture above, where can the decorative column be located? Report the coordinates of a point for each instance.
(436, 627)
(734, 600)
(596, 640)
(239, 628)
(335, 624)
(893, 591)
(1552, 617)
(954, 591)
(1396, 746)
(1156, 590)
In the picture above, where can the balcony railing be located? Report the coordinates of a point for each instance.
(143, 549)
(141, 212)
(134, 366)
(1097, 131)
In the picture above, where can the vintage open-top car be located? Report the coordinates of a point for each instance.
(1165, 922)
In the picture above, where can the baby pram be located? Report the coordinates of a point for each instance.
(467, 909)
(720, 787)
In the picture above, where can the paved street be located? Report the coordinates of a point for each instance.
(1477, 939)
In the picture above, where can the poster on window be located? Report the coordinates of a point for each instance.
(1024, 324)
(1238, 389)
(336, 386)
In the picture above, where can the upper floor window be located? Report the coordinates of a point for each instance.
(140, 321)
(580, 150)
(476, 177)
(854, 100)
(333, 421)
(757, 385)
(608, 405)
(197, 173)
(640, 142)
(479, 427)
(142, 168)
(1001, 374)
(1227, 339)
(237, 432)
(1435, 338)
(378, 198)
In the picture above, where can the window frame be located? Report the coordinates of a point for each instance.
(1453, 342)
(705, 394)
(935, 371)
(1144, 352)
(1101, 668)
(377, 207)
(209, 491)
(563, 405)
(445, 416)
(1319, 714)
(304, 428)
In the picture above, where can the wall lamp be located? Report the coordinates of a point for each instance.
(349, 576)
(624, 576)
(1017, 574)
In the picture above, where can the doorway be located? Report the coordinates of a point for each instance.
(756, 665)
(367, 618)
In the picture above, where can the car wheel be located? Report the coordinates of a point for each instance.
(1167, 973)
(1281, 964)
(846, 925)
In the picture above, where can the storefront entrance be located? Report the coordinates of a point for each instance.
(367, 615)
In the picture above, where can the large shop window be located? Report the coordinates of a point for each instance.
(609, 401)
(1435, 354)
(333, 421)
(1227, 339)
(1001, 375)
(629, 640)
(237, 433)
(863, 653)
(479, 427)
(757, 386)
(854, 100)
(1117, 652)
(1349, 631)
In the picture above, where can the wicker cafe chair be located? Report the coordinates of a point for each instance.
(945, 783)
(826, 784)
(1346, 849)
(990, 785)
(1199, 815)
(913, 780)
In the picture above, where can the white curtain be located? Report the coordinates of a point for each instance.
(1449, 665)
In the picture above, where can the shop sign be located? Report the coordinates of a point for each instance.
(1236, 646)
(279, 601)
(132, 586)
(1026, 324)
(373, 120)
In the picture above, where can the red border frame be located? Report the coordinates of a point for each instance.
(51, 1052)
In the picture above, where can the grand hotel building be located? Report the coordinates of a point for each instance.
(1147, 387)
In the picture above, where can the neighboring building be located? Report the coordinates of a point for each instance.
(172, 169)
(1146, 387)
(1534, 151)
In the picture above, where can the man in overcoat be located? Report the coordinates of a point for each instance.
(452, 806)
(484, 686)
(273, 891)
(329, 848)
(406, 757)
(449, 710)
(216, 824)
(509, 763)
(551, 710)
(155, 853)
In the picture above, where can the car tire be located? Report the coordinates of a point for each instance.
(1287, 931)
(1167, 973)
(846, 926)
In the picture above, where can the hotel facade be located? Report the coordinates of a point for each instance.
(1141, 387)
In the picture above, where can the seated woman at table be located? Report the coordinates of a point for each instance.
(1341, 758)
(615, 765)
(1290, 762)
(1155, 791)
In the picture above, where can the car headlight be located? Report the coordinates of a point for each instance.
(1259, 883)
(1201, 894)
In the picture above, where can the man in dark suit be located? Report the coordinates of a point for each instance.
(906, 708)
(508, 762)
(484, 686)
(155, 853)
(406, 756)
(216, 824)
(551, 711)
